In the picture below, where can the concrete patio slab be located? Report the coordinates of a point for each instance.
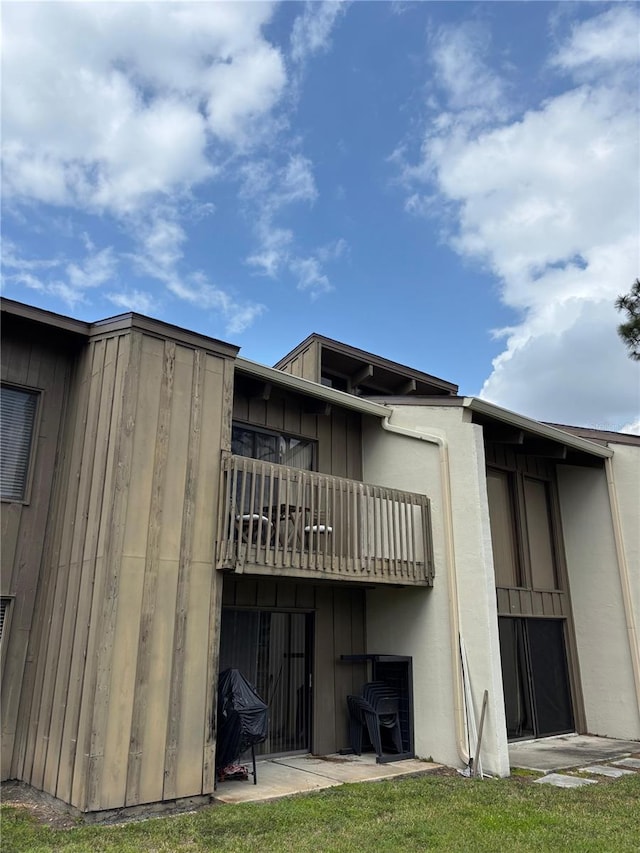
(629, 762)
(565, 751)
(355, 768)
(559, 780)
(299, 774)
(606, 770)
(274, 780)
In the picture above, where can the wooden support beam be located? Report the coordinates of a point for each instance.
(503, 434)
(408, 387)
(256, 388)
(357, 378)
(546, 449)
(314, 406)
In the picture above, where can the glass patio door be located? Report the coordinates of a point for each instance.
(272, 650)
(535, 677)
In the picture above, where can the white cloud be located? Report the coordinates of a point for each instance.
(269, 191)
(133, 300)
(97, 269)
(126, 110)
(96, 117)
(609, 39)
(548, 205)
(312, 29)
(310, 276)
(205, 296)
(69, 281)
(459, 56)
(633, 428)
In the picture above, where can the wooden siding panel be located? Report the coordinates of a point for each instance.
(214, 433)
(10, 516)
(121, 702)
(159, 368)
(185, 660)
(188, 709)
(266, 594)
(88, 558)
(72, 460)
(64, 620)
(343, 680)
(213, 657)
(90, 764)
(324, 697)
(156, 708)
(40, 363)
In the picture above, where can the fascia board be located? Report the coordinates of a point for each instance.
(482, 407)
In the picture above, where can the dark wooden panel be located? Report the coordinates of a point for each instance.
(343, 680)
(266, 594)
(247, 593)
(40, 361)
(324, 734)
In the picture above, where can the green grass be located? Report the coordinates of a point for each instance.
(413, 814)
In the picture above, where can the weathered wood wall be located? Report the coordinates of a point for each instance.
(305, 364)
(119, 708)
(339, 434)
(40, 362)
(339, 629)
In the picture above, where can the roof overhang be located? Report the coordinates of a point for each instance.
(486, 411)
(307, 388)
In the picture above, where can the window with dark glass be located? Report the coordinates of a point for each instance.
(18, 413)
(273, 447)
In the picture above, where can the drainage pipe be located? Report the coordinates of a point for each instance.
(454, 613)
(625, 584)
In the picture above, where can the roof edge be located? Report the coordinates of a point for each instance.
(41, 315)
(313, 389)
(482, 407)
(356, 352)
(130, 321)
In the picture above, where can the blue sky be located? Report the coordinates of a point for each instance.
(451, 185)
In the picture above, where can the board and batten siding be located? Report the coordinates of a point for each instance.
(339, 434)
(339, 629)
(120, 708)
(305, 363)
(42, 363)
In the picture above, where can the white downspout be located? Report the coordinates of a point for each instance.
(454, 620)
(625, 584)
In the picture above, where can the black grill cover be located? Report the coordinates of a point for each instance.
(242, 717)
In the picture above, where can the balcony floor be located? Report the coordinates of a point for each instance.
(300, 774)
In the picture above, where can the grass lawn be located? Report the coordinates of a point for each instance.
(411, 814)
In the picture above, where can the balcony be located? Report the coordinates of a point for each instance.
(281, 521)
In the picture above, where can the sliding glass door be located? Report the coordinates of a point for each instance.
(272, 649)
(535, 677)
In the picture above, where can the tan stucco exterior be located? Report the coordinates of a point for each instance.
(602, 636)
(418, 623)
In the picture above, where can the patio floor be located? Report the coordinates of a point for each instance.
(565, 751)
(299, 774)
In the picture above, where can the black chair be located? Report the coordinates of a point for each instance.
(378, 707)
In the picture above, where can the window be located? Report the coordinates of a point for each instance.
(522, 531)
(18, 412)
(542, 557)
(273, 447)
(502, 517)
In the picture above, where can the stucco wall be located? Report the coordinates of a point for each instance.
(626, 474)
(417, 622)
(601, 636)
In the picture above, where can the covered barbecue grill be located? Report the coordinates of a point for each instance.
(242, 720)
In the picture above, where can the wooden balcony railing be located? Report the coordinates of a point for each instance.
(285, 521)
